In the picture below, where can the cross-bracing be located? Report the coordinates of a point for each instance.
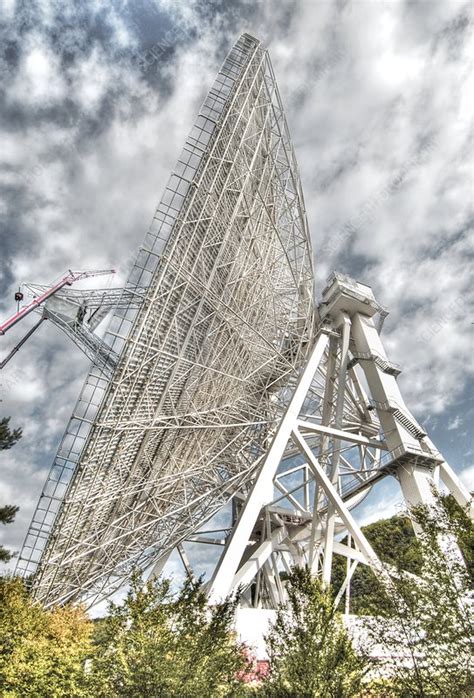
(219, 379)
(349, 439)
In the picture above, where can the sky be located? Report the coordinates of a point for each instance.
(96, 101)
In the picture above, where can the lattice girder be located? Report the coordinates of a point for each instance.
(160, 445)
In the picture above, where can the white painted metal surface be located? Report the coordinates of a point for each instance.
(157, 444)
(220, 379)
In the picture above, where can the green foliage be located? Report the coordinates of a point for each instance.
(311, 654)
(42, 652)
(7, 515)
(154, 645)
(394, 540)
(8, 437)
(157, 644)
(395, 543)
(428, 626)
(151, 645)
(463, 527)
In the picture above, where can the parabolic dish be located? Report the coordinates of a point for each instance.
(153, 451)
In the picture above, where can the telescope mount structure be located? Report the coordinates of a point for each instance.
(220, 379)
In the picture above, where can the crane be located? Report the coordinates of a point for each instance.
(67, 280)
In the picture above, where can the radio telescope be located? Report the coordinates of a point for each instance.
(220, 378)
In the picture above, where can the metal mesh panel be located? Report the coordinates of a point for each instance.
(153, 451)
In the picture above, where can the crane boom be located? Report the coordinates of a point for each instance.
(67, 280)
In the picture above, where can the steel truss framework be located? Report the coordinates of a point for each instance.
(219, 379)
(346, 442)
(159, 444)
(79, 312)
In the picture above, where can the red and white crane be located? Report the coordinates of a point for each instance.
(67, 280)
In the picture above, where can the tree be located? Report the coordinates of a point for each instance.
(464, 527)
(311, 654)
(156, 645)
(7, 515)
(427, 629)
(8, 438)
(42, 652)
(395, 543)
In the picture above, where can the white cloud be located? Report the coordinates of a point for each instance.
(467, 477)
(40, 81)
(454, 423)
(384, 500)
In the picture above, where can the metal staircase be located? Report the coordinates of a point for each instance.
(402, 417)
(389, 367)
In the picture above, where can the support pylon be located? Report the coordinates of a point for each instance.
(345, 428)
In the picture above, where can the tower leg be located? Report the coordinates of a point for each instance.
(341, 390)
(456, 487)
(417, 484)
(221, 582)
